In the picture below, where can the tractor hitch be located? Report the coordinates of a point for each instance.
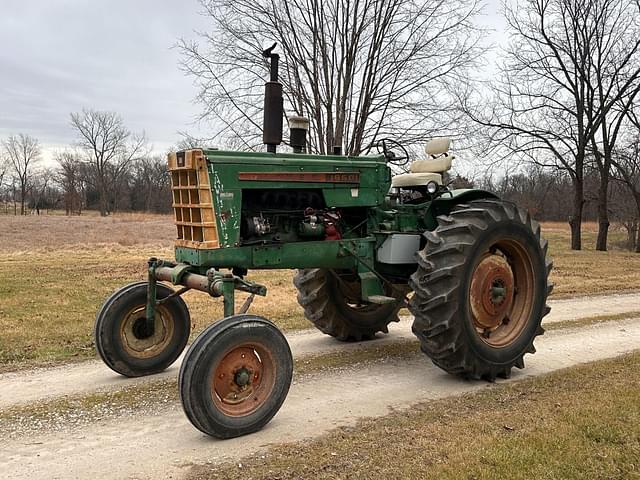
(214, 282)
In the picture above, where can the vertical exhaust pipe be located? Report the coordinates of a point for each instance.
(273, 104)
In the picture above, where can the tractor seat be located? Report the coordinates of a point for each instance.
(429, 170)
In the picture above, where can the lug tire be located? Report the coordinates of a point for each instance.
(210, 412)
(445, 320)
(327, 308)
(112, 321)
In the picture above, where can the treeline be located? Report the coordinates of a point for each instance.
(547, 196)
(108, 169)
(564, 95)
(566, 98)
(562, 109)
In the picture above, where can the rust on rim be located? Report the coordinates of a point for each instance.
(134, 338)
(501, 294)
(243, 380)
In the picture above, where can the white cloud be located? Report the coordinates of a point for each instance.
(59, 56)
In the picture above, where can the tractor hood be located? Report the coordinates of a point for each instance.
(208, 187)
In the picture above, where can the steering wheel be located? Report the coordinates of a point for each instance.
(385, 147)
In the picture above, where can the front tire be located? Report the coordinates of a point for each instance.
(121, 341)
(333, 304)
(480, 289)
(235, 376)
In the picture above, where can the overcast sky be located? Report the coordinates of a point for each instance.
(59, 56)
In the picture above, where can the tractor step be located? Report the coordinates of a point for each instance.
(381, 299)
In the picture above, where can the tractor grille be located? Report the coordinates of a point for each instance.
(192, 204)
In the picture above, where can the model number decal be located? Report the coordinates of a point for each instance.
(307, 177)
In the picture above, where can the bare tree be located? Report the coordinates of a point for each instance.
(23, 153)
(41, 191)
(151, 184)
(188, 142)
(4, 168)
(358, 69)
(70, 179)
(624, 210)
(563, 75)
(626, 163)
(614, 68)
(110, 148)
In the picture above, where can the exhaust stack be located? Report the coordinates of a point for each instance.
(273, 104)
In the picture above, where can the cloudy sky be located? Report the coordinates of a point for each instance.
(59, 56)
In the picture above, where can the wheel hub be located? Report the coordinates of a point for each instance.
(238, 385)
(140, 330)
(242, 377)
(492, 291)
(136, 339)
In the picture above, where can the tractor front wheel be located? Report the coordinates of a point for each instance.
(235, 376)
(480, 289)
(332, 302)
(121, 337)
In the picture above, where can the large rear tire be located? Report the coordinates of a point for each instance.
(333, 304)
(235, 376)
(120, 336)
(480, 289)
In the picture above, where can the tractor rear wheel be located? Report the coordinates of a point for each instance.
(480, 289)
(235, 376)
(120, 334)
(333, 304)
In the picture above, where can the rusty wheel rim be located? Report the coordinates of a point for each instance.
(243, 380)
(136, 342)
(501, 293)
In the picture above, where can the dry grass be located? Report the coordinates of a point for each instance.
(587, 271)
(49, 300)
(55, 272)
(563, 425)
(47, 233)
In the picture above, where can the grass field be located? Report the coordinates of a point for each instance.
(560, 426)
(587, 271)
(55, 272)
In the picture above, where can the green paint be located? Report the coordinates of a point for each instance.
(278, 233)
(228, 293)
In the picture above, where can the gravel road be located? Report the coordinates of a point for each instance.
(165, 444)
(39, 384)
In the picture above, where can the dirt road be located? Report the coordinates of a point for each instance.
(163, 445)
(39, 384)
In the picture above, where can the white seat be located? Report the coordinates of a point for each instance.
(437, 165)
(437, 146)
(415, 179)
(429, 170)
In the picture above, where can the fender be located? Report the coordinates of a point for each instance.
(445, 203)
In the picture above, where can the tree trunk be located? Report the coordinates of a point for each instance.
(576, 220)
(636, 197)
(603, 213)
(23, 193)
(103, 202)
(632, 231)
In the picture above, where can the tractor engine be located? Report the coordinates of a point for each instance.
(273, 216)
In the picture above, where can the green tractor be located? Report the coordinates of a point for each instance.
(472, 269)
